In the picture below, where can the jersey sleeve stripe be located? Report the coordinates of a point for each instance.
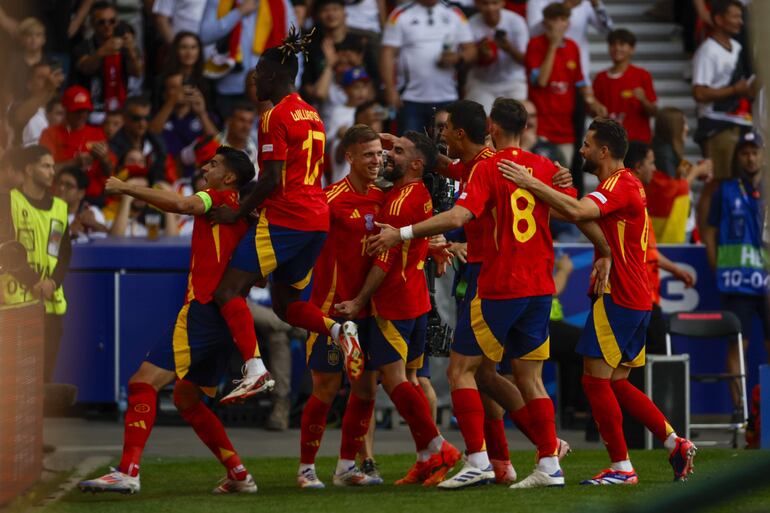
(599, 196)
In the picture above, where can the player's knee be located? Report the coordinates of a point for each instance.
(186, 395)
(325, 390)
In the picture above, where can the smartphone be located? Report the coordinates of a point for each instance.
(500, 34)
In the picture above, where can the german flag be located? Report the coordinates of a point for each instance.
(668, 203)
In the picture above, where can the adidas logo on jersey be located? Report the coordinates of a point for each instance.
(138, 424)
(355, 214)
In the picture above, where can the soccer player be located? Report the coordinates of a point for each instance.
(293, 220)
(512, 305)
(613, 341)
(201, 345)
(398, 291)
(340, 272)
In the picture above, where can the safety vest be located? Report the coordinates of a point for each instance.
(41, 233)
(741, 256)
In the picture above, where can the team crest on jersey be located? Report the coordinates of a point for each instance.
(571, 65)
(369, 222)
(333, 357)
(142, 408)
(626, 93)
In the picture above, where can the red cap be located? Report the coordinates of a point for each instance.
(77, 98)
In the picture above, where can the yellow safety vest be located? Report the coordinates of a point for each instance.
(41, 233)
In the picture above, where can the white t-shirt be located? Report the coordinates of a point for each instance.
(421, 34)
(184, 14)
(713, 66)
(34, 128)
(90, 234)
(581, 17)
(339, 116)
(505, 68)
(363, 15)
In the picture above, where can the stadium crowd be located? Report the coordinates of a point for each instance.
(147, 91)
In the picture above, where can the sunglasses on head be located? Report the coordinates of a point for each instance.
(138, 117)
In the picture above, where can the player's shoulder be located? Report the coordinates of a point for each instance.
(337, 189)
(376, 193)
(456, 11)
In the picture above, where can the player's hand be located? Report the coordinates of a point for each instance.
(223, 215)
(601, 275)
(685, 277)
(387, 140)
(115, 185)
(563, 177)
(438, 248)
(459, 250)
(383, 241)
(516, 173)
(348, 309)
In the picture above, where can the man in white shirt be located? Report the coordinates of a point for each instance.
(501, 37)
(173, 16)
(721, 88)
(430, 39)
(585, 13)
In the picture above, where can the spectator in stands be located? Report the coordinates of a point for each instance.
(430, 40)
(722, 88)
(222, 23)
(582, 14)
(333, 50)
(31, 37)
(366, 17)
(530, 141)
(86, 222)
(28, 114)
(238, 130)
(625, 90)
(668, 193)
(181, 120)
(135, 135)
(104, 62)
(501, 38)
(735, 238)
(358, 90)
(641, 160)
(185, 57)
(113, 121)
(555, 78)
(175, 16)
(74, 142)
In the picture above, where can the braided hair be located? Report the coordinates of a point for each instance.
(283, 57)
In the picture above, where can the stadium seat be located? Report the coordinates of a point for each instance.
(713, 325)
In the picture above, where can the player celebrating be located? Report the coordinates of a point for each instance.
(293, 219)
(613, 340)
(511, 308)
(340, 272)
(398, 291)
(201, 345)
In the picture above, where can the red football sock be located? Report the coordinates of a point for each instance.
(238, 318)
(138, 422)
(543, 424)
(607, 414)
(641, 407)
(355, 424)
(421, 393)
(523, 422)
(467, 406)
(416, 413)
(211, 432)
(303, 314)
(497, 443)
(312, 429)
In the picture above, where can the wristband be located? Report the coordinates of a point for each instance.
(406, 232)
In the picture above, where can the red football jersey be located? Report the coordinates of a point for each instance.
(293, 132)
(624, 222)
(212, 247)
(518, 249)
(343, 264)
(404, 292)
(617, 94)
(555, 102)
(476, 230)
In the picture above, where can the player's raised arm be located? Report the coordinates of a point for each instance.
(441, 223)
(165, 200)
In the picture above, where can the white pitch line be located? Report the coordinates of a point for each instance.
(81, 471)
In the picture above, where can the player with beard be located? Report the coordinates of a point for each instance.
(613, 340)
(398, 290)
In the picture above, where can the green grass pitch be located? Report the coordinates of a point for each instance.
(183, 486)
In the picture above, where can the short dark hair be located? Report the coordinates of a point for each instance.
(100, 5)
(358, 134)
(13, 158)
(238, 162)
(469, 116)
(32, 154)
(425, 147)
(364, 107)
(75, 172)
(243, 105)
(509, 114)
(283, 58)
(720, 7)
(610, 133)
(621, 35)
(52, 103)
(637, 152)
(136, 101)
(556, 10)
